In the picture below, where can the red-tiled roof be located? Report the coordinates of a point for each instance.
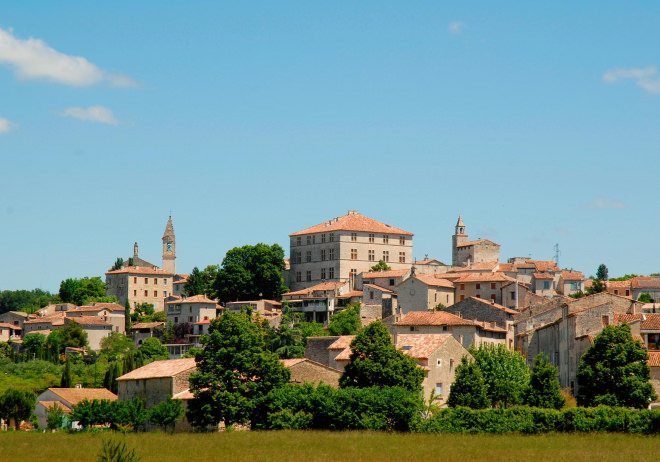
(351, 294)
(141, 270)
(572, 276)
(654, 359)
(646, 282)
(428, 261)
(56, 318)
(484, 277)
(379, 288)
(434, 280)
(385, 274)
(10, 326)
(420, 346)
(618, 284)
(480, 241)
(650, 321)
(322, 287)
(542, 276)
(146, 325)
(158, 369)
(75, 395)
(193, 299)
(544, 265)
(88, 320)
(48, 404)
(93, 307)
(352, 221)
(432, 318)
(342, 342)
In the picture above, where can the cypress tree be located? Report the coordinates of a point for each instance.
(127, 318)
(67, 379)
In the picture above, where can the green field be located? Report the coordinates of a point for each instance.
(328, 446)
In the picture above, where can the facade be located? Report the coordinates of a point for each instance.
(143, 330)
(465, 251)
(112, 313)
(257, 306)
(67, 398)
(96, 328)
(424, 292)
(42, 324)
(341, 248)
(571, 282)
(138, 285)
(191, 309)
(543, 284)
(15, 318)
(319, 302)
(387, 279)
(9, 332)
(488, 312)
(488, 286)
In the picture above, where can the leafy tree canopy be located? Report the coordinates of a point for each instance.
(381, 266)
(602, 272)
(375, 361)
(544, 390)
(33, 343)
(645, 298)
(73, 335)
(82, 291)
(202, 282)
(153, 350)
(233, 372)
(505, 373)
(116, 346)
(119, 263)
(346, 322)
(597, 287)
(468, 389)
(614, 371)
(166, 413)
(251, 272)
(17, 405)
(25, 300)
(626, 277)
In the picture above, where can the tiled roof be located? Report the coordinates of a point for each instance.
(10, 326)
(74, 395)
(141, 270)
(322, 287)
(420, 346)
(428, 261)
(489, 326)
(352, 221)
(544, 265)
(484, 277)
(618, 284)
(506, 267)
(654, 359)
(292, 361)
(385, 274)
(56, 318)
(542, 276)
(432, 318)
(158, 369)
(99, 307)
(146, 325)
(572, 276)
(352, 293)
(47, 404)
(342, 342)
(646, 282)
(185, 394)
(434, 280)
(479, 241)
(194, 299)
(379, 288)
(628, 318)
(650, 321)
(88, 320)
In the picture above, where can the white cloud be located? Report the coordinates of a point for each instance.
(647, 78)
(6, 125)
(91, 114)
(34, 59)
(602, 203)
(456, 27)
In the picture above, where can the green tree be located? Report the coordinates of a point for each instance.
(505, 373)
(645, 298)
(601, 272)
(153, 350)
(25, 300)
(614, 371)
(116, 346)
(33, 344)
(54, 416)
(597, 287)
(54, 343)
(6, 351)
(381, 266)
(127, 318)
(167, 413)
(626, 277)
(233, 371)
(468, 389)
(544, 390)
(119, 263)
(67, 377)
(82, 291)
(202, 282)
(375, 361)
(17, 405)
(346, 322)
(251, 272)
(73, 335)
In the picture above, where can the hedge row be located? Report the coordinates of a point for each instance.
(535, 420)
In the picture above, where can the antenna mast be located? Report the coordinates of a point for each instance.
(557, 254)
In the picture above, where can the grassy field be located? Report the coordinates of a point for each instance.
(327, 446)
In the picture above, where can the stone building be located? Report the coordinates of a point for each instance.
(465, 251)
(112, 313)
(9, 332)
(304, 370)
(15, 318)
(486, 311)
(66, 398)
(341, 248)
(570, 282)
(191, 309)
(424, 292)
(320, 301)
(387, 279)
(488, 286)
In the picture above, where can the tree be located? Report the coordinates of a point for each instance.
(375, 361)
(67, 377)
(166, 413)
(127, 317)
(119, 263)
(381, 266)
(153, 350)
(346, 322)
(251, 272)
(645, 298)
(505, 373)
(201, 282)
(82, 291)
(468, 389)
(116, 346)
(17, 405)
(233, 372)
(73, 335)
(54, 416)
(6, 351)
(597, 287)
(25, 300)
(54, 343)
(601, 272)
(614, 371)
(33, 344)
(544, 390)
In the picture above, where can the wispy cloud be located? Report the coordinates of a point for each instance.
(99, 114)
(456, 27)
(602, 203)
(646, 78)
(33, 59)
(6, 125)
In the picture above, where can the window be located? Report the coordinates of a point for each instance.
(402, 257)
(331, 237)
(492, 298)
(134, 280)
(451, 364)
(331, 273)
(478, 296)
(146, 280)
(308, 256)
(372, 255)
(176, 319)
(190, 319)
(386, 255)
(386, 238)
(309, 276)
(135, 293)
(492, 285)
(402, 240)
(546, 285)
(627, 293)
(391, 282)
(414, 328)
(309, 240)
(353, 273)
(322, 273)
(155, 293)
(146, 293)
(298, 276)
(439, 362)
(322, 238)
(322, 254)
(513, 295)
(371, 294)
(165, 281)
(155, 281)
(353, 237)
(371, 238)
(353, 254)
(438, 389)
(298, 240)
(606, 320)
(462, 287)
(298, 257)
(478, 286)
(165, 294)
(331, 254)
(314, 239)
(462, 297)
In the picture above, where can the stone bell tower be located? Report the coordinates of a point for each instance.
(458, 239)
(169, 248)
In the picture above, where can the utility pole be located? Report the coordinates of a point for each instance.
(557, 254)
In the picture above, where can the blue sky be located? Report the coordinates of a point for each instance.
(251, 120)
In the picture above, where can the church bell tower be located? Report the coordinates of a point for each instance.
(458, 239)
(169, 248)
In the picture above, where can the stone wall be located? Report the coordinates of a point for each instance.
(310, 372)
(317, 349)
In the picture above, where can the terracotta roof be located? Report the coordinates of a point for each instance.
(47, 404)
(99, 307)
(628, 318)
(204, 322)
(379, 288)
(428, 261)
(184, 281)
(432, 318)
(385, 274)
(45, 332)
(506, 267)
(158, 369)
(194, 299)
(479, 241)
(434, 280)
(292, 361)
(420, 346)
(646, 282)
(542, 276)
(572, 276)
(618, 284)
(146, 325)
(544, 265)
(10, 326)
(654, 359)
(322, 287)
(56, 318)
(489, 326)
(342, 342)
(88, 320)
(484, 277)
(74, 395)
(141, 270)
(650, 321)
(344, 355)
(352, 293)
(353, 221)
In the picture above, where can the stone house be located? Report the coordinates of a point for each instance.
(465, 252)
(112, 313)
(343, 247)
(646, 285)
(139, 285)
(570, 282)
(9, 332)
(67, 398)
(304, 370)
(319, 302)
(430, 266)
(191, 309)
(95, 328)
(257, 306)
(543, 283)
(623, 288)
(44, 323)
(386, 279)
(15, 318)
(143, 330)
(482, 285)
(486, 311)
(377, 301)
(423, 292)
